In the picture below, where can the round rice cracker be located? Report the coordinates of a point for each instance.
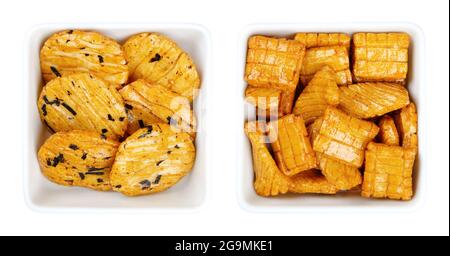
(75, 51)
(78, 158)
(152, 160)
(83, 102)
(158, 59)
(148, 104)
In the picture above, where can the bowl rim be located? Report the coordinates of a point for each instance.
(345, 27)
(206, 84)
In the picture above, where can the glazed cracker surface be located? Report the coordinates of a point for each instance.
(152, 160)
(311, 40)
(343, 176)
(291, 145)
(76, 51)
(273, 63)
(407, 123)
(380, 57)
(83, 102)
(367, 100)
(78, 158)
(321, 92)
(388, 131)
(269, 180)
(335, 57)
(160, 105)
(158, 59)
(388, 172)
(343, 137)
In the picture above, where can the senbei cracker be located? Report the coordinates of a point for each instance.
(83, 102)
(335, 57)
(344, 138)
(274, 63)
(311, 182)
(388, 131)
(321, 92)
(380, 57)
(407, 124)
(269, 180)
(367, 100)
(388, 172)
(75, 51)
(342, 176)
(158, 59)
(167, 106)
(311, 40)
(152, 160)
(291, 145)
(78, 158)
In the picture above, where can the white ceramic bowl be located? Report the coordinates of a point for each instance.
(41, 195)
(247, 197)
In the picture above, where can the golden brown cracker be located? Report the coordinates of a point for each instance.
(269, 181)
(368, 100)
(75, 51)
(344, 138)
(381, 57)
(78, 158)
(82, 102)
(291, 145)
(157, 100)
(152, 160)
(407, 125)
(322, 91)
(388, 172)
(274, 62)
(311, 40)
(336, 57)
(388, 131)
(157, 59)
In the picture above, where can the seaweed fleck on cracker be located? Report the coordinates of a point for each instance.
(144, 166)
(74, 51)
(78, 158)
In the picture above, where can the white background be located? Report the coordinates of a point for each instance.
(224, 19)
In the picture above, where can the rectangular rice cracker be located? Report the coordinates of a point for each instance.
(344, 138)
(291, 145)
(380, 57)
(388, 172)
(273, 62)
(323, 39)
(336, 57)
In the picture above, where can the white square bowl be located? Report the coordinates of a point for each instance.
(343, 202)
(41, 195)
